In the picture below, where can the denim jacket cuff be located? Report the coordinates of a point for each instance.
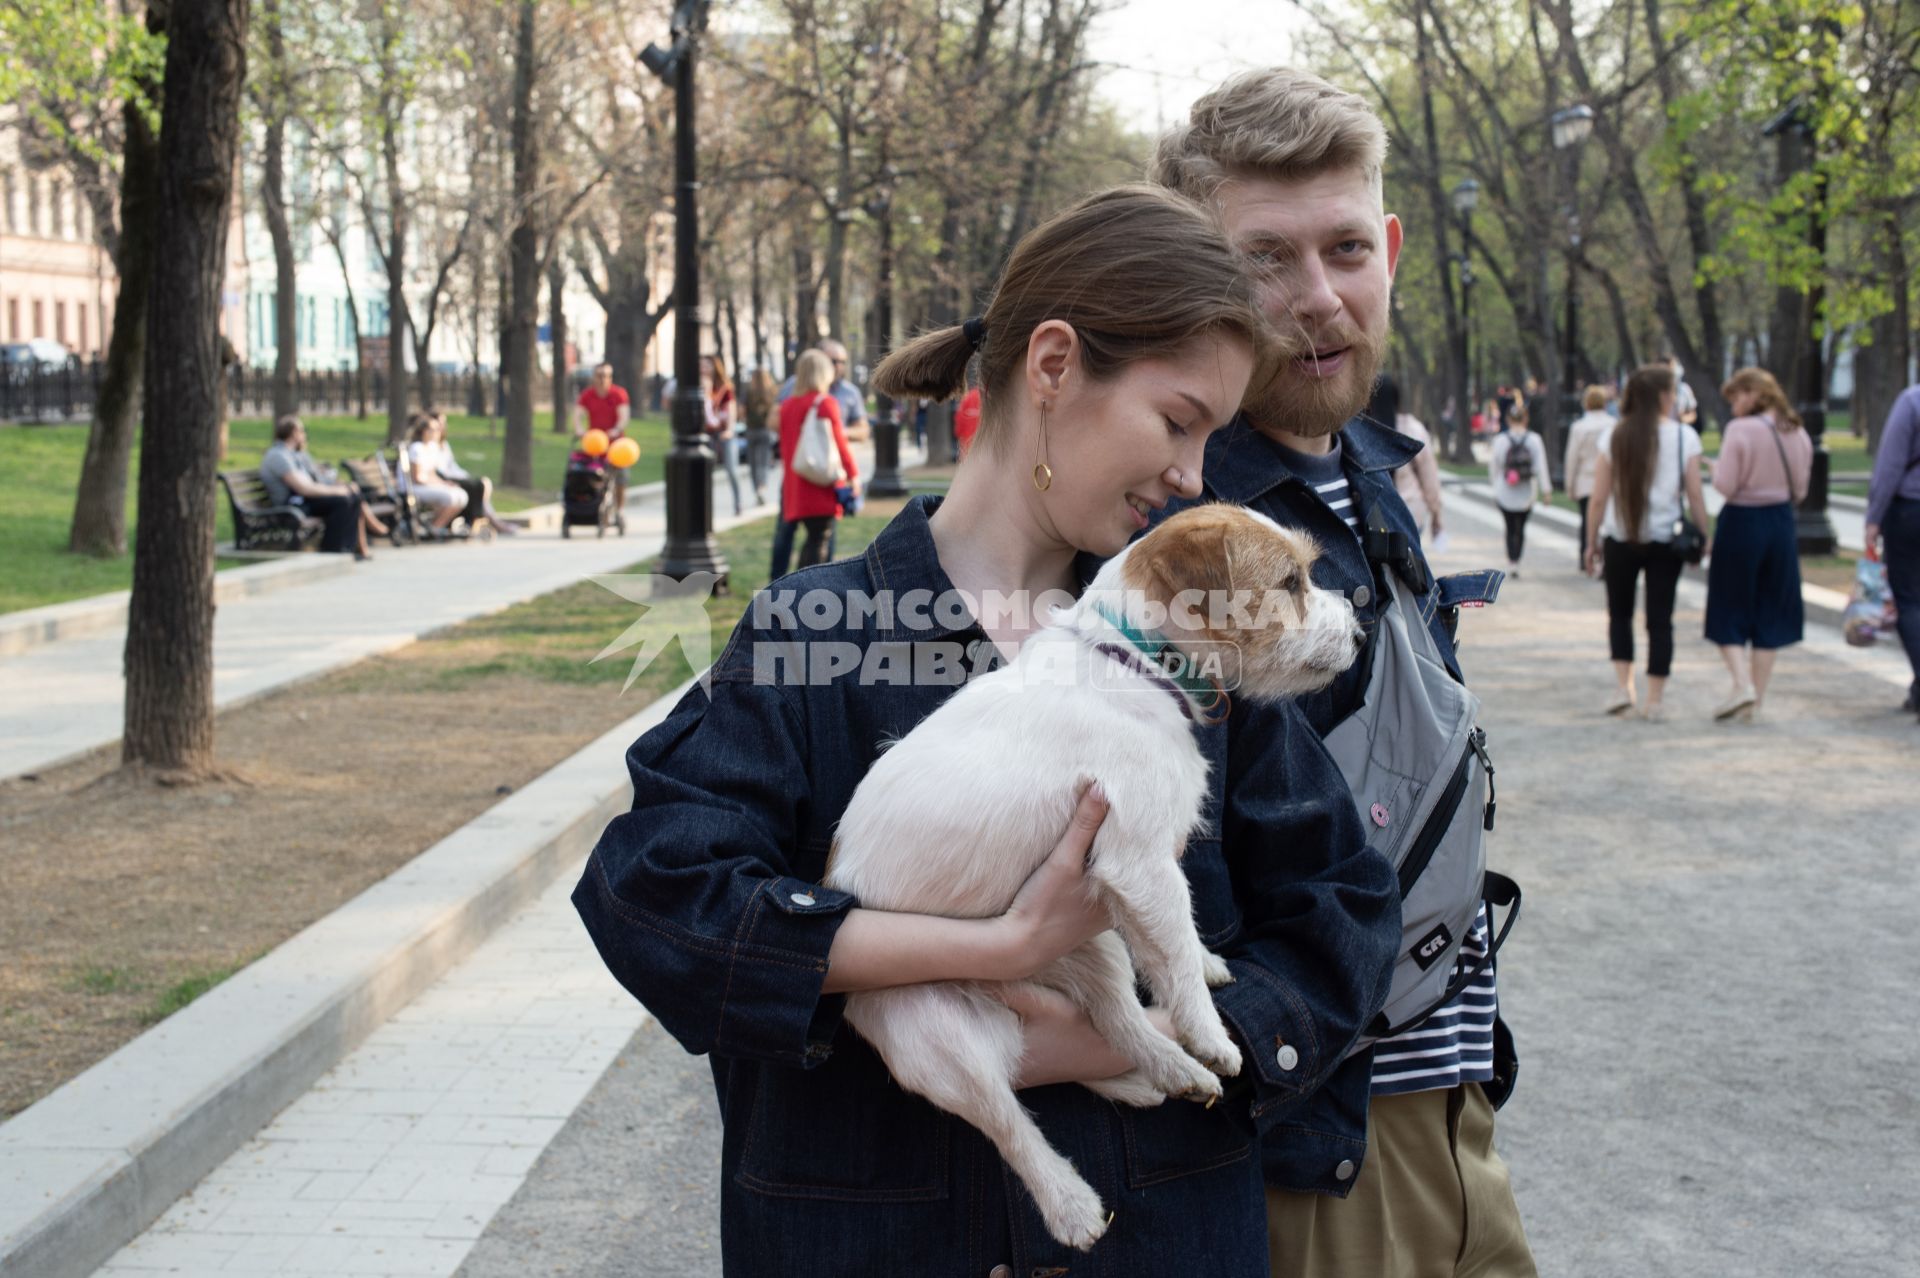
(1276, 1032)
(771, 1005)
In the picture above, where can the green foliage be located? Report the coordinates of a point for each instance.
(59, 59)
(181, 993)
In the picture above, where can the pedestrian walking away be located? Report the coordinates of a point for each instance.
(1754, 607)
(706, 900)
(1893, 522)
(1417, 482)
(1389, 1169)
(1583, 449)
(853, 421)
(1646, 474)
(804, 501)
(759, 402)
(1517, 468)
(721, 422)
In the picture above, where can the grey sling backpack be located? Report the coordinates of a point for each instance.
(1416, 760)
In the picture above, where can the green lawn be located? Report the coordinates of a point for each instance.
(555, 637)
(40, 468)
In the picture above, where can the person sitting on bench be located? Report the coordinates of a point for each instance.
(420, 464)
(293, 479)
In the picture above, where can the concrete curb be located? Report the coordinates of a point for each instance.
(1827, 607)
(31, 627)
(86, 1169)
(547, 518)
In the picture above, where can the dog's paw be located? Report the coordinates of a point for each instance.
(1216, 970)
(1072, 1211)
(1133, 1089)
(1178, 1074)
(1215, 1049)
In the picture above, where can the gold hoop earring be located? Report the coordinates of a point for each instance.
(1043, 473)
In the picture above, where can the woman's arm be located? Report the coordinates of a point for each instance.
(1597, 507)
(1542, 477)
(1730, 470)
(840, 439)
(1696, 495)
(1426, 470)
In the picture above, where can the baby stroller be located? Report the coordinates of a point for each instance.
(586, 499)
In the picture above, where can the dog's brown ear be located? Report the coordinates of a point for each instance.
(1191, 551)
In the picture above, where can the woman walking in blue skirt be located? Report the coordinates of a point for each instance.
(1753, 580)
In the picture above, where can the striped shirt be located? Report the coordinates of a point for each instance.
(1324, 473)
(1455, 1045)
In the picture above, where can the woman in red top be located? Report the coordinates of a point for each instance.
(814, 506)
(720, 419)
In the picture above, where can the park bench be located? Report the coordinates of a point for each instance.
(379, 494)
(260, 524)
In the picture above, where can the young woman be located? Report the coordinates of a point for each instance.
(1121, 335)
(761, 398)
(1645, 464)
(1583, 446)
(812, 506)
(722, 411)
(1417, 482)
(1753, 582)
(1517, 467)
(479, 488)
(420, 464)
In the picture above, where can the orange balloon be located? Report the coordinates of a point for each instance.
(623, 453)
(594, 442)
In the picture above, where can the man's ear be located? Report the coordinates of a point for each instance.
(1395, 235)
(1053, 352)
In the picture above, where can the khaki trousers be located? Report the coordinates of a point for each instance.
(1432, 1201)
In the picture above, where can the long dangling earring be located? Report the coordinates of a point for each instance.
(1043, 473)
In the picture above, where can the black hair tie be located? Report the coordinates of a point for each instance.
(975, 330)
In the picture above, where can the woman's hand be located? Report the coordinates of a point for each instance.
(1055, 912)
(1059, 1043)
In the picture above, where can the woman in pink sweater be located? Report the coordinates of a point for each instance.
(1753, 580)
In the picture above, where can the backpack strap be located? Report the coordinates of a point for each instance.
(1498, 892)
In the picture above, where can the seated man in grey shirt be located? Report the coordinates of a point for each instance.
(292, 479)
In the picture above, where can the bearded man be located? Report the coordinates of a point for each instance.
(1413, 1188)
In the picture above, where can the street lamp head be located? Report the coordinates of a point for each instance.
(1571, 125)
(662, 62)
(1466, 196)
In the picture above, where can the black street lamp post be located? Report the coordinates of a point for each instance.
(887, 480)
(690, 545)
(1466, 197)
(1571, 128)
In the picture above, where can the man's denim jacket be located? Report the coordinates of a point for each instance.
(1243, 467)
(705, 902)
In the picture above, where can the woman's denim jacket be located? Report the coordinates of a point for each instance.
(705, 901)
(1241, 467)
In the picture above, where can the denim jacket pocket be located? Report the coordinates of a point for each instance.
(843, 1132)
(1215, 914)
(1181, 1138)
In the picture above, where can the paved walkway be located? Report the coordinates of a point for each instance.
(65, 698)
(1709, 985)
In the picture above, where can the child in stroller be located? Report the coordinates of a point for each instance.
(587, 498)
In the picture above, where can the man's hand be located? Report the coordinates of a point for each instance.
(1054, 912)
(1872, 541)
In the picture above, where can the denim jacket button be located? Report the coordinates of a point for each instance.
(1362, 596)
(1001, 1271)
(1287, 1058)
(801, 898)
(1344, 1171)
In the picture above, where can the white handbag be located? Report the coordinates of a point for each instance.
(815, 458)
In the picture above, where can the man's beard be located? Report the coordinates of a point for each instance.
(1295, 402)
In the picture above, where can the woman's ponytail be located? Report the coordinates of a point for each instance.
(931, 366)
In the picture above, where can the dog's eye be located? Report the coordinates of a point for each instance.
(1292, 583)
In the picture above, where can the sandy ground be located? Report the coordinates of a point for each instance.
(114, 896)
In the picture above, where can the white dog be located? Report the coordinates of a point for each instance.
(1082, 702)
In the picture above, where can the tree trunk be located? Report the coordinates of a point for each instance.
(273, 197)
(523, 251)
(169, 652)
(1460, 445)
(1881, 367)
(806, 292)
(756, 302)
(100, 505)
(396, 267)
(557, 326)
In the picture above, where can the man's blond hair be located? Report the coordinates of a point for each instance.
(1277, 123)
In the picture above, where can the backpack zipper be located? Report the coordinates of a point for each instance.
(1437, 824)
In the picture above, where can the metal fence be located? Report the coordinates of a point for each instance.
(48, 393)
